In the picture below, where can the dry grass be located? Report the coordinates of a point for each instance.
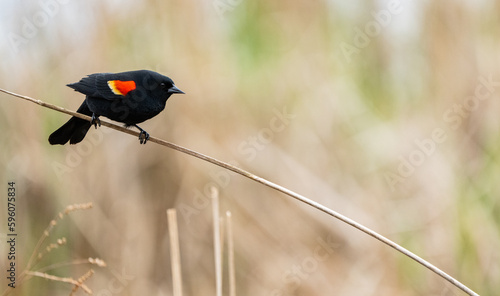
(43, 249)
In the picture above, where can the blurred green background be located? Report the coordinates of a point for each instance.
(385, 111)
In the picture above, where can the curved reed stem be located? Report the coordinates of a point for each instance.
(267, 183)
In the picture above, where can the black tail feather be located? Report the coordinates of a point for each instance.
(74, 130)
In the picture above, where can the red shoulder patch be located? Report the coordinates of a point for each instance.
(121, 88)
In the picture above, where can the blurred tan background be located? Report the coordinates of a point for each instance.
(385, 111)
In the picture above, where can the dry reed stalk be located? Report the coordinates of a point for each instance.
(230, 254)
(175, 254)
(270, 184)
(217, 241)
(222, 237)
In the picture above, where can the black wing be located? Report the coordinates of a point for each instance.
(96, 85)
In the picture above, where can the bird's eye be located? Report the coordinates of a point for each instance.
(163, 85)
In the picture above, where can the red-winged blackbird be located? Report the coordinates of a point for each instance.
(129, 97)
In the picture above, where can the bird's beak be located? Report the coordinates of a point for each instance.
(175, 90)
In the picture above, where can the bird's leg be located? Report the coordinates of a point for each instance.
(95, 120)
(143, 135)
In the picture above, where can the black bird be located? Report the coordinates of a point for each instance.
(129, 97)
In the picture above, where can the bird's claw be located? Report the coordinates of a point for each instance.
(95, 121)
(143, 137)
